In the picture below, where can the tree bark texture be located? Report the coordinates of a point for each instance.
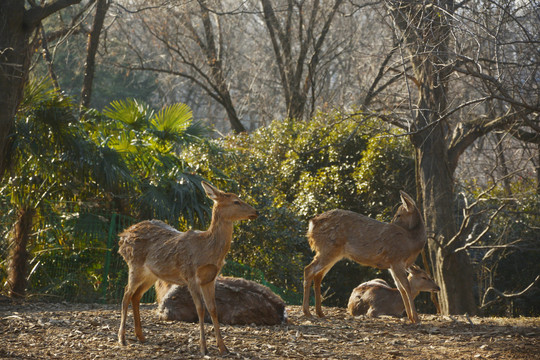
(14, 62)
(424, 28)
(19, 255)
(16, 26)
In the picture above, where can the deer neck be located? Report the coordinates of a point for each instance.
(219, 234)
(414, 289)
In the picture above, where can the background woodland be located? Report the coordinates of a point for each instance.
(299, 106)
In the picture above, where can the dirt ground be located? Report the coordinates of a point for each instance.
(88, 331)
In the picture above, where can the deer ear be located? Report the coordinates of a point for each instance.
(407, 201)
(414, 269)
(212, 192)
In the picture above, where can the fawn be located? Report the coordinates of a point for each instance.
(376, 297)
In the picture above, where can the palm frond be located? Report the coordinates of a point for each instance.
(173, 119)
(131, 112)
(35, 92)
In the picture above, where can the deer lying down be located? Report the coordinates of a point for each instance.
(238, 302)
(154, 250)
(339, 234)
(376, 297)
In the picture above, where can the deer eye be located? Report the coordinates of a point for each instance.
(236, 202)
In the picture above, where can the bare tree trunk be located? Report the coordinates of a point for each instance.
(93, 44)
(47, 57)
(295, 84)
(19, 254)
(14, 62)
(452, 271)
(213, 55)
(16, 26)
(425, 33)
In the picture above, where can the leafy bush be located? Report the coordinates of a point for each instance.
(292, 171)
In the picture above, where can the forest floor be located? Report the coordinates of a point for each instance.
(89, 331)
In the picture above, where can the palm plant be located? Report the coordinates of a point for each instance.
(54, 162)
(150, 142)
(126, 157)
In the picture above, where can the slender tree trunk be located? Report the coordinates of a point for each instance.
(19, 254)
(295, 83)
(91, 51)
(213, 51)
(48, 58)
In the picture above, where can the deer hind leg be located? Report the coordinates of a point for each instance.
(135, 301)
(136, 280)
(128, 293)
(315, 272)
(309, 273)
(400, 278)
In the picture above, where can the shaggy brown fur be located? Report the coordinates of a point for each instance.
(238, 301)
(376, 297)
(154, 250)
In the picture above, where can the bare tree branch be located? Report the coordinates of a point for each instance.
(35, 14)
(505, 295)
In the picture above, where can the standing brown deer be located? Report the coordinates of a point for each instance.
(339, 234)
(376, 297)
(154, 250)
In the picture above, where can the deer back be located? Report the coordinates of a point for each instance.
(374, 298)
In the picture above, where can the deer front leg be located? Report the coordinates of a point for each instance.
(208, 291)
(197, 300)
(206, 277)
(400, 277)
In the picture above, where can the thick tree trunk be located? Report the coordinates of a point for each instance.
(16, 26)
(425, 32)
(14, 62)
(452, 271)
(19, 255)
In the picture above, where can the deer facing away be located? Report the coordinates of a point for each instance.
(239, 302)
(154, 250)
(376, 297)
(339, 234)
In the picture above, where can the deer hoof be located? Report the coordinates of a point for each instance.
(224, 351)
